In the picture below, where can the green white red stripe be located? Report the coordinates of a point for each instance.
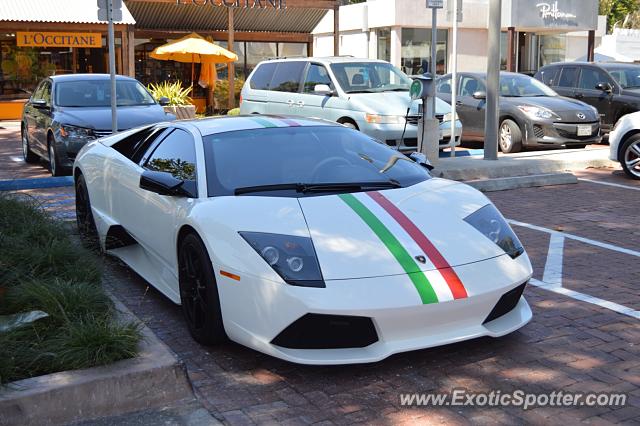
(392, 226)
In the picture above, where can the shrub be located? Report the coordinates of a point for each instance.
(235, 111)
(174, 91)
(221, 92)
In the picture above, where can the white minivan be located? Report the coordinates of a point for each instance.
(365, 94)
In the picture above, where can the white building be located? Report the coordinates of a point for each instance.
(399, 31)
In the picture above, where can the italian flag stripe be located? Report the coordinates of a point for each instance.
(419, 279)
(448, 274)
(263, 122)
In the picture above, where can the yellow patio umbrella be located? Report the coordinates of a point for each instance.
(195, 49)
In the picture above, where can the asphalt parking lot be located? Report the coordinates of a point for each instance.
(584, 244)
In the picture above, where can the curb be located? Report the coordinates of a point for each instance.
(502, 184)
(154, 378)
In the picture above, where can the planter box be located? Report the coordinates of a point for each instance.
(182, 112)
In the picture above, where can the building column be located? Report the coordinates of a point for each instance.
(130, 49)
(396, 46)
(512, 36)
(591, 46)
(231, 69)
(373, 45)
(336, 30)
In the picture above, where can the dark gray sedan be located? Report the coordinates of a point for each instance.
(531, 114)
(67, 111)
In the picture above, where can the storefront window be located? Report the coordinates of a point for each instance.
(383, 35)
(553, 48)
(257, 51)
(416, 50)
(504, 46)
(292, 50)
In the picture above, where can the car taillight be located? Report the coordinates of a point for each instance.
(240, 100)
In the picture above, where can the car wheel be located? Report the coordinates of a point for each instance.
(28, 155)
(84, 216)
(199, 292)
(630, 157)
(54, 162)
(510, 137)
(350, 124)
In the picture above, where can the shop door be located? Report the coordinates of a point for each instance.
(92, 61)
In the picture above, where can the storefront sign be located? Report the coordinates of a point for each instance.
(556, 15)
(51, 39)
(551, 11)
(244, 4)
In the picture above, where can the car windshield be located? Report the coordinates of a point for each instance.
(519, 86)
(370, 77)
(298, 161)
(627, 77)
(97, 93)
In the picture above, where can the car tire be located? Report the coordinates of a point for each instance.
(84, 215)
(510, 137)
(630, 157)
(199, 292)
(28, 155)
(350, 124)
(55, 167)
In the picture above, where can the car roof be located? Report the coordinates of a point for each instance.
(483, 75)
(223, 124)
(85, 77)
(326, 59)
(608, 64)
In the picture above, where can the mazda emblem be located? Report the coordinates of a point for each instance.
(581, 116)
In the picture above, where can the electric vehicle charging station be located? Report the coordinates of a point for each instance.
(424, 88)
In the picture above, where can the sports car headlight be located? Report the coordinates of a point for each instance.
(293, 258)
(537, 112)
(76, 134)
(384, 119)
(492, 225)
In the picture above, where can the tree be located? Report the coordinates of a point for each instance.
(617, 11)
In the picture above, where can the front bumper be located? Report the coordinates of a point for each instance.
(557, 134)
(392, 134)
(401, 323)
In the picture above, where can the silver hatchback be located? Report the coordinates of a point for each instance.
(368, 95)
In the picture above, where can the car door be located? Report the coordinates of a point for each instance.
(284, 88)
(590, 77)
(41, 116)
(315, 104)
(471, 110)
(30, 115)
(151, 218)
(568, 81)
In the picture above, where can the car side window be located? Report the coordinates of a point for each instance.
(549, 76)
(316, 74)
(287, 76)
(134, 145)
(590, 77)
(470, 85)
(443, 86)
(175, 154)
(46, 92)
(37, 94)
(568, 77)
(262, 76)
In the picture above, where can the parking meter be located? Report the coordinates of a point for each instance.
(424, 88)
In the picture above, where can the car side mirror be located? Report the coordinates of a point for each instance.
(322, 89)
(164, 183)
(39, 103)
(422, 160)
(480, 95)
(163, 101)
(605, 87)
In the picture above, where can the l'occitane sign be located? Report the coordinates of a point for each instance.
(51, 39)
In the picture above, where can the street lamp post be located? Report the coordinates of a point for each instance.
(493, 81)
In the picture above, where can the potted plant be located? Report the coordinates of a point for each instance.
(174, 98)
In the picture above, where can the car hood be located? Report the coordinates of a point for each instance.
(349, 246)
(566, 108)
(100, 118)
(392, 103)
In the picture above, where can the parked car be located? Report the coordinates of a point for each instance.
(367, 95)
(624, 144)
(67, 111)
(531, 114)
(328, 247)
(612, 88)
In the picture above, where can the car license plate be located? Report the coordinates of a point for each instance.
(584, 130)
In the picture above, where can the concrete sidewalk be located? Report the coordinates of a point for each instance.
(523, 164)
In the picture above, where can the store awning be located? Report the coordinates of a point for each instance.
(64, 11)
(152, 15)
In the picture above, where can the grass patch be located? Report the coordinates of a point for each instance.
(42, 268)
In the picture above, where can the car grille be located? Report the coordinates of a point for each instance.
(413, 119)
(538, 131)
(570, 130)
(101, 133)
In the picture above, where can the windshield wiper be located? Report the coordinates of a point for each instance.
(397, 89)
(363, 91)
(319, 187)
